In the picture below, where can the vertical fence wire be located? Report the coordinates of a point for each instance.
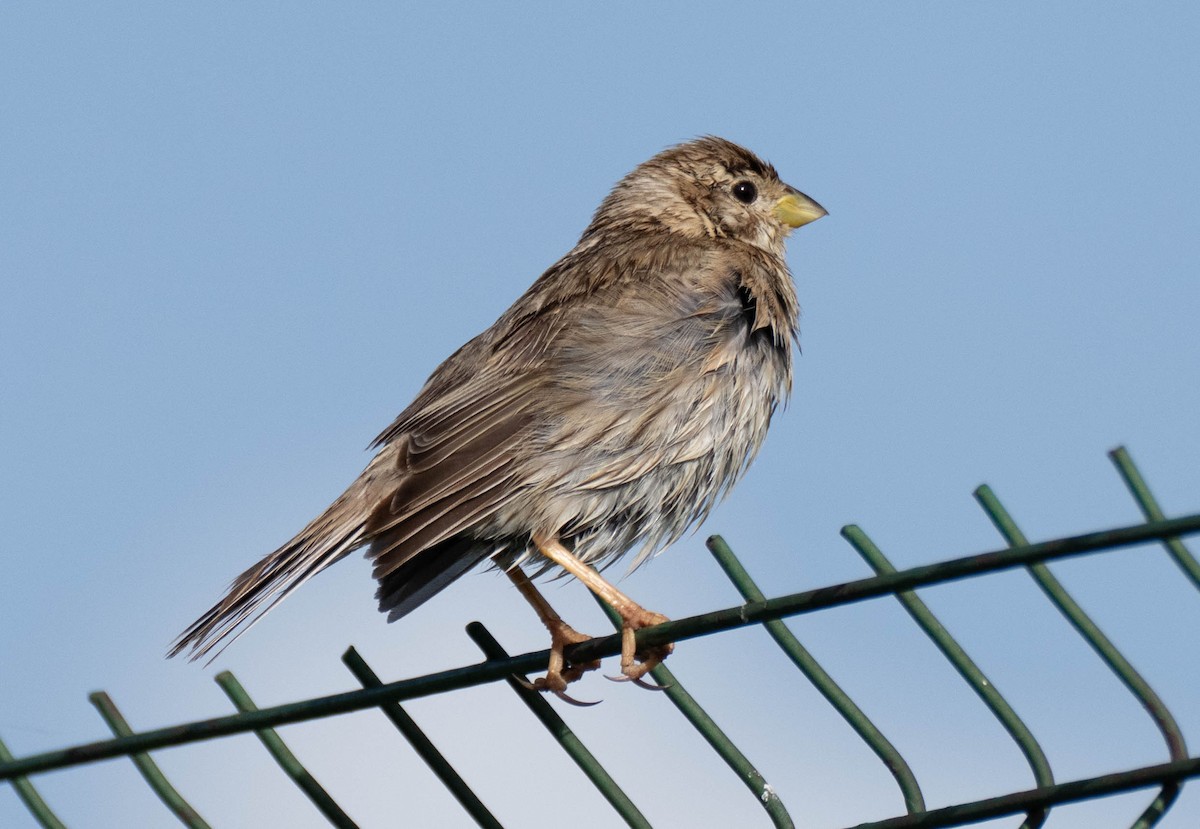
(820, 678)
(966, 667)
(1104, 648)
(1145, 500)
(37, 807)
(283, 755)
(571, 744)
(746, 771)
(149, 769)
(424, 747)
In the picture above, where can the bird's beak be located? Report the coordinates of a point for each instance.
(796, 209)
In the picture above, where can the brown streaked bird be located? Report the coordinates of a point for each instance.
(605, 411)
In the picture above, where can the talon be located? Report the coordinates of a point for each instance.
(638, 681)
(649, 686)
(555, 683)
(569, 699)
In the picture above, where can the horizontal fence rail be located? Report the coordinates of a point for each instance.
(1034, 803)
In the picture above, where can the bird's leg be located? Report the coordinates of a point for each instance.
(558, 673)
(634, 664)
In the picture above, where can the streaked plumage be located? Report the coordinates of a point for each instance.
(608, 408)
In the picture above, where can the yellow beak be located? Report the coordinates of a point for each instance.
(796, 209)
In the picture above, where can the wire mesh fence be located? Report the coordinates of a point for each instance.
(1030, 807)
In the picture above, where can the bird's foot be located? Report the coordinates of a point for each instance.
(635, 663)
(559, 672)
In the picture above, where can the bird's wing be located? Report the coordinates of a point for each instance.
(454, 466)
(462, 447)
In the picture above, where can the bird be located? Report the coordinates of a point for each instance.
(604, 413)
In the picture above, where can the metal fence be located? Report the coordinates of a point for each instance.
(1034, 804)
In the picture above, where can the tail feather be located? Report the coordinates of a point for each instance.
(428, 573)
(328, 538)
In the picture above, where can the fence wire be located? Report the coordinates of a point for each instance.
(1033, 804)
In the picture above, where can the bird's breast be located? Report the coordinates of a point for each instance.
(662, 416)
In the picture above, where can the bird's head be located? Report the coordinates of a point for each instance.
(709, 187)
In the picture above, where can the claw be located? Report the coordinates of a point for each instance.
(638, 681)
(579, 702)
(541, 684)
(650, 686)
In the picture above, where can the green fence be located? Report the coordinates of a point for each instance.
(1033, 805)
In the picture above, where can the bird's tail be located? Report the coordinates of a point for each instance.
(329, 537)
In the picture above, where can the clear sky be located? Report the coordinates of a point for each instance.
(235, 239)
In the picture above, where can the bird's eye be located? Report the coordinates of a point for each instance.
(745, 192)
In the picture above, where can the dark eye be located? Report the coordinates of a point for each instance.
(745, 192)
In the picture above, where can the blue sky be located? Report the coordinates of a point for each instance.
(235, 239)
